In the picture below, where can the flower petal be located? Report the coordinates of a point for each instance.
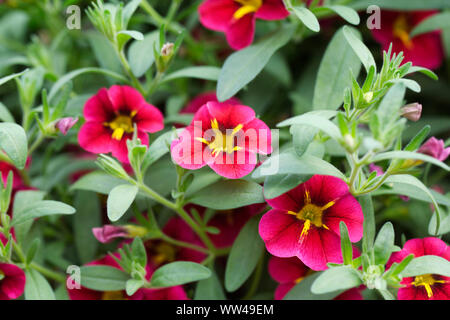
(286, 270)
(234, 166)
(95, 138)
(241, 32)
(217, 14)
(272, 10)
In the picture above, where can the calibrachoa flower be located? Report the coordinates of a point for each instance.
(423, 50)
(236, 18)
(110, 117)
(435, 148)
(426, 286)
(12, 281)
(304, 222)
(199, 101)
(171, 293)
(290, 271)
(225, 137)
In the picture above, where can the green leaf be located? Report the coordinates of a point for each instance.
(71, 75)
(427, 265)
(435, 22)
(159, 148)
(346, 245)
(129, 10)
(103, 278)
(302, 290)
(229, 194)
(414, 192)
(384, 243)
(348, 14)
(31, 252)
(178, 273)
(276, 185)
(307, 17)
(88, 216)
(410, 84)
(336, 278)
(369, 222)
(416, 142)
(21, 200)
(133, 285)
(13, 141)
(97, 181)
(359, 48)
(202, 72)
(5, 114)
(37, 287)
(338, 64)
(314, 121)
(409, 155)
(120, 199)
(243, 66)
(289, 163)
(302, 136)
(425, 71)
(244, 256)
(141, 55)
(11, 76)
(391, 104)
(210, 289)
(40, 209)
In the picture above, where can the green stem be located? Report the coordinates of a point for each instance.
(49, 273)
(127, 68)
(184, 244)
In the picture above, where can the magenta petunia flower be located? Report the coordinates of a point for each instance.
(225, 137)
(435, 148)
(424, 50)
(110, 119)
(236, 18)
(304, 222)
(171, 293)
(426, 286)
(12, 281)
(290, 271)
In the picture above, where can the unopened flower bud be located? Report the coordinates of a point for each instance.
(368, 96)
(167, 49)
(412, 111)
(435, 148)
(64, 124)
(349, 141)
(109, 232)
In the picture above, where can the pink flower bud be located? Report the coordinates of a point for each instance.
(108, 233)
(435, 148)
(412, 111)
(64, 124)
(377, 169)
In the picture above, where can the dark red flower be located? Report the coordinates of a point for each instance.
(110, 118)
(12, 281)
(424, 50)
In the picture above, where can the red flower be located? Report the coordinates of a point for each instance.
(290, 271)
(236, 18)
(304, 222)
(225, 137)
(12, 281)
(110, 118)
(202, 99)
(423, 50)
(171, 293)
(426, 286)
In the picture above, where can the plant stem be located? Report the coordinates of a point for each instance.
(184, 244)
(127, 68)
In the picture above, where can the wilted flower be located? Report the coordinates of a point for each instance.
(435, 148)
(304, 221)
(109, 232)
(412, 111)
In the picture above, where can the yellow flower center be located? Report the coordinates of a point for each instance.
(120, 125)
(113, 295)
(221, 142)
(311, 214)
(402, 29)
(427, 281)
(248, 6)
(163, 252)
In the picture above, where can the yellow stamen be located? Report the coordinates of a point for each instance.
(426, 281)
(311, 214)
(402, 29)
(113, 295)
(248, 6)
(121, 124)
(298, 280)
(221, 142)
